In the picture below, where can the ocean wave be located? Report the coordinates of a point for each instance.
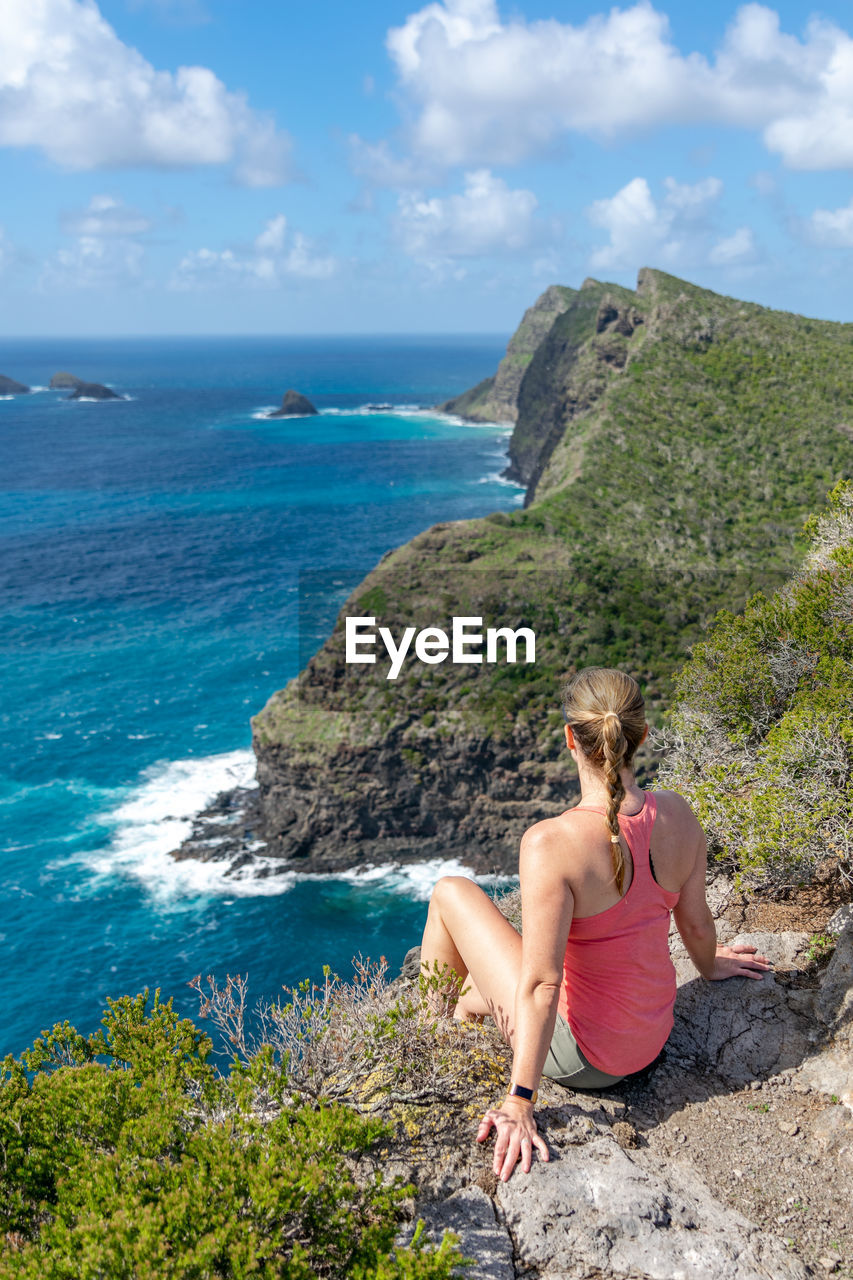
(8, 397)
(98, 400)
(497, 477)
(412, 879)
(154, 817)
(151, 819)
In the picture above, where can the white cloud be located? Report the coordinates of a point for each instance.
(94, 263)
(70, 87)
(274, 256)
(488, 90)
(643, 230)
(106, 251)
(833, 226)
(377, 165)
(105, 216)
(488, 217)
(735, 250)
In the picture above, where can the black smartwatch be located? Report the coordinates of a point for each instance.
(519, 1091)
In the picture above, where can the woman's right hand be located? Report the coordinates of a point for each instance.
(515, 1137)
(738, 961)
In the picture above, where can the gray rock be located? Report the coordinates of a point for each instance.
(600, 1209)
(93, 391)
(742, 1028)
(830, 1069)
(64, 382)
(293, 405)
(470, 1215)
(843, 917)
(9, 387)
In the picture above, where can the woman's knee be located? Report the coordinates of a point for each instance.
(448, 891)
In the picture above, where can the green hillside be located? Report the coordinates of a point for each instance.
(674, 441)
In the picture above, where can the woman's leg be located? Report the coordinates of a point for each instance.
(466, 932)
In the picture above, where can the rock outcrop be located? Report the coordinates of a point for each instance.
(93, 391)
(721, 1162)
(9, 387)
(293, 405)
(496, 399)
(64, 382)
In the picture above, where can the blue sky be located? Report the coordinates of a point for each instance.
(209, 166)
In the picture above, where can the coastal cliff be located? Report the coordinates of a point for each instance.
(673, 441)
(496, 398)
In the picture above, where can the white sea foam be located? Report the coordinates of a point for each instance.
(151, 819)
(413, 879)
(497, 477)
(97, 399)
(8, 397)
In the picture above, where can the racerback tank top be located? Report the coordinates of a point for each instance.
(619, 983)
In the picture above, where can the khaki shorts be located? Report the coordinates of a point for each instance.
(566, 1064)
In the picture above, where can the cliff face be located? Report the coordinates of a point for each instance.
(673, 440)
(496, 399)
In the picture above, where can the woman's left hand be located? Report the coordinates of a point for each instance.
(516, 1136)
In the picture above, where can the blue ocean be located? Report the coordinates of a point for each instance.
(150, 550)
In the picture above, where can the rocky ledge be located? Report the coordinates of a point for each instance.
(64, 381)
(293, 405)
(730, 1159)
(9, 387)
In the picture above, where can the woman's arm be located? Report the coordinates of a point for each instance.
(696, 925)
(546, 907)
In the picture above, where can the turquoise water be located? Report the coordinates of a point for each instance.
(149, 559)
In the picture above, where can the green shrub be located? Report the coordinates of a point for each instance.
(760, 734)
(126, 1154)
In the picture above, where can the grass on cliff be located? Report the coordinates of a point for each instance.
(126, 1154)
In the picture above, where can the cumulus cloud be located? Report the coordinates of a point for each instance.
(70, 87)
(274, 256)
(105, 216)
(488, 217)
(833, 226)
(643, 229)
(94, 263)
(489, 90)
(735, 250)
(106, 250)
(377, 165)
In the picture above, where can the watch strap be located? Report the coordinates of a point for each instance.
(519, 1091)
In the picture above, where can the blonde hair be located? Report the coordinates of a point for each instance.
(606, 713)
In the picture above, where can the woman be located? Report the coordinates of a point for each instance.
(586, 996)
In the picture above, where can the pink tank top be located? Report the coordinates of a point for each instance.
(619, 981)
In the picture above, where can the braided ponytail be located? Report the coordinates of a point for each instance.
(606, 712)
(615, 750)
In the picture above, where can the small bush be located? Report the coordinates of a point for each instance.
(371, 1044)
(126, 1154)
(760, 734)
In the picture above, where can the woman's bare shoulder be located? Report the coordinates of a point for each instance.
(551, 837)
(674, 813)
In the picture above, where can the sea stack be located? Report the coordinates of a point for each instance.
(293, 405)
(9, 387)
(64, 382)
(92, 391)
